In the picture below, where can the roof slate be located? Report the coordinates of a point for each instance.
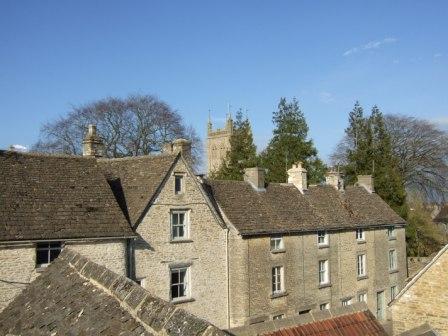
(45, 197)
(135, 180)
(75, 296)
(283, 208)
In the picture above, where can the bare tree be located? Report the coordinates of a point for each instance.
(137, 125)
(422, 152)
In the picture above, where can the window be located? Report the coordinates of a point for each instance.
(47, 252)
(277, 280)
(361, 265)
(277, 243)
(380, 305)
(324, 306)
(178, 184)
(362, 297)
(324, 277)
(179, 283)
(360, 235)
(346, 302)
(391, 232)
(393, 292)
(392, 260)
(306, 311)
(278, 317)
(322, 238)
(179, 225)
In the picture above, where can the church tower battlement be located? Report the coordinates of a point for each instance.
(218, 144)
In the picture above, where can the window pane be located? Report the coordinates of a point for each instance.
(181, 218)
(54, 254)
(175, 219)
(42, 257)
(178, 184)
(181, 231)
(174, 277)
(174, 291)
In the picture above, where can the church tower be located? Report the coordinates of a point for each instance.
(218, 144)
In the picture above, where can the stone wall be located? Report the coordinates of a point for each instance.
(218, 144)
(18, 263)
(425, 300)
(251, 292)
(204, 251)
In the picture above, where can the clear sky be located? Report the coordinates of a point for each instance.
(200, 55)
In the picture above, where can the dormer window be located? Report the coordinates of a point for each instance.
(322, 238)
(360, 235)
(46, 253)
(178, 184)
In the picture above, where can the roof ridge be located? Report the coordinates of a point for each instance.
(150, 311)
(4, 152)
(138, 157)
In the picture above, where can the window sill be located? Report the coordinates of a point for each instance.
(278, 251)
(393, 271)
(324, 285)
(180, 241)
(362, 277)
(183, 300)
(361, 241)
(41, 268)
(322, 246)
(392, 238)
(278, 295)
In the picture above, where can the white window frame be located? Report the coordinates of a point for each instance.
(185, 225)
(182, 183)
(49, 246)
(186, 284)
(391, 234)
(362, 297)
(324, 306)
(277, 243)
(393, 260)
(393, 292)
(277, 280)
(360, 235)
(324, 272)
(278, 317)
(322, 238)
(347, 302)
(361, 265)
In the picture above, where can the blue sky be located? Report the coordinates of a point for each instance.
(201, 55)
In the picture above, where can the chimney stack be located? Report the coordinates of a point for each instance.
(366, 181)
(92, 144)
(334, 178)
(297, 175)
(182, 146)
(256, 177)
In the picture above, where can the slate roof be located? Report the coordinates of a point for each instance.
(135, 180)
(352, 320)
(45, 197)
(283, 208)
(75, 296)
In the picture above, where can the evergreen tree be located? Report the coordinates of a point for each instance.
(242, 154)
(289, 144)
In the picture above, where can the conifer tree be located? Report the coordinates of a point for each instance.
(289, 144)
(243, 152)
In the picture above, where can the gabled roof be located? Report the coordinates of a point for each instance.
(283, 208)
(135, 180)
(353, 320)
(44, 197)
(75, 296)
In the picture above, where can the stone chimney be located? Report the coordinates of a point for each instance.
(366, 181)
(334, 178)
(297, 176)
(256, 177)
(92, 144)
(182, 146)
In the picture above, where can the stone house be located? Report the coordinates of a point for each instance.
(48, 202)
(424, 299)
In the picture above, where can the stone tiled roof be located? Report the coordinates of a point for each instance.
(135, 180)
(46, 197)
(353, 320)
(75, 296)
(283, 208)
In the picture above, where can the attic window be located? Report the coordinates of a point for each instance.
(178, 184)
(322, 238)
(47, 252)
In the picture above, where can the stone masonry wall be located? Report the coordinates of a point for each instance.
(18, 263)
(424, 301)
(204, 251)
(300, 261)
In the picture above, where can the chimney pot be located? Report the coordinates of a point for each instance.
(256, 177)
